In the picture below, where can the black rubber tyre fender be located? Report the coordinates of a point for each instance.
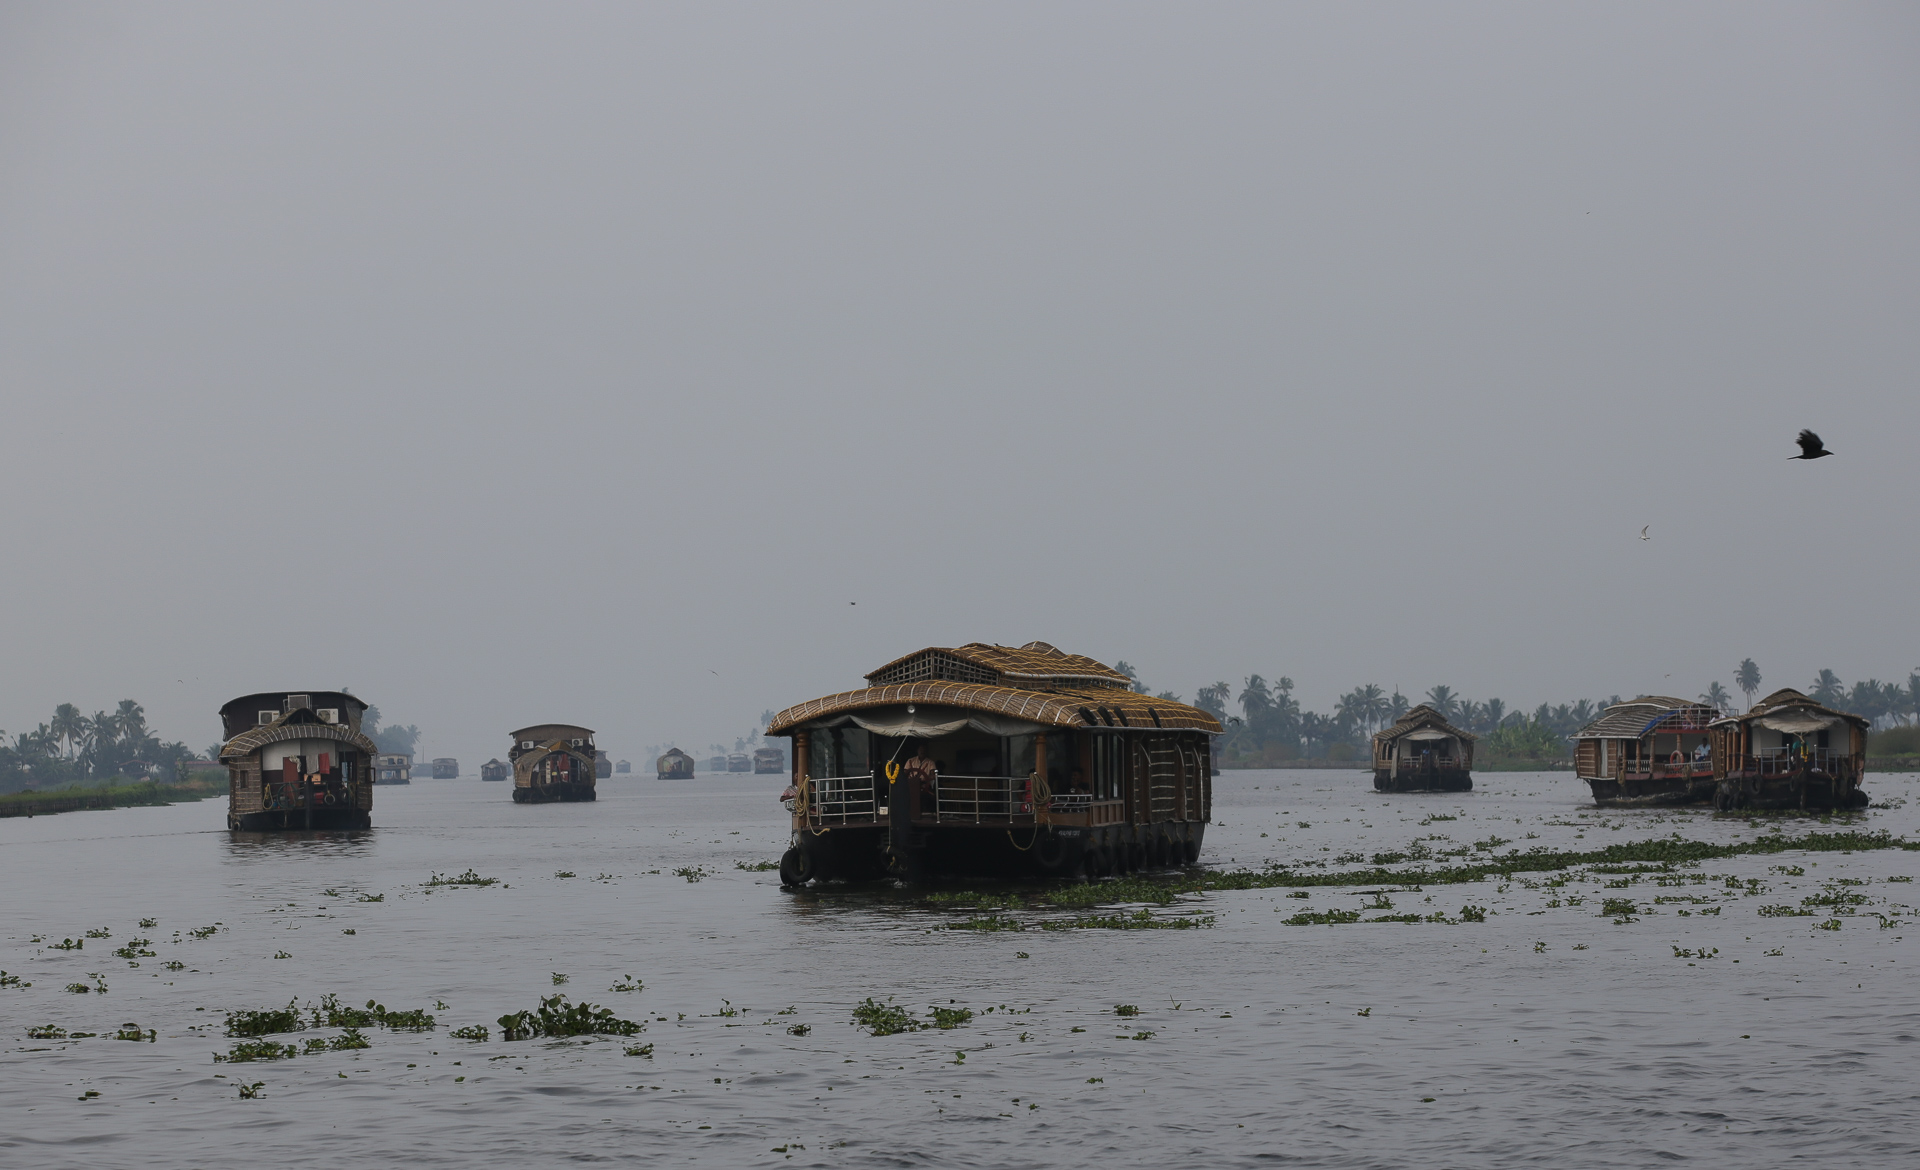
(1192, 850)
(796, 867)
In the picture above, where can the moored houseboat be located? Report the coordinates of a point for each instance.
(552, 761)
(1653, 750)
(674, 765)
(1789, 752)
(739, 762)
(1422, 752)
(988, 759)
(495, 769)
(716, 764)
(393, 768)
(297, 760)
(602, 766)
(622, 767)
(446, 768)
(769, 761)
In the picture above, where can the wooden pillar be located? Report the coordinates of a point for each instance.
(1040, 755)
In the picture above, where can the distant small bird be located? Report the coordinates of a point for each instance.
(1643, 532)
(1811, 447)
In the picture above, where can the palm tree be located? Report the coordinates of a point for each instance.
(1213, 700)
(1471, 714)
(1716, 696)
(1747, 678)
(1828, 690)
(69, 725)
(1374, 702)
(1443, 700)
(132, 718)
(1397, 707)
(1496, 713)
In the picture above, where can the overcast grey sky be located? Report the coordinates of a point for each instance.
(521, 362)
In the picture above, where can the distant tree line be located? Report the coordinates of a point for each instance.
(73, 747)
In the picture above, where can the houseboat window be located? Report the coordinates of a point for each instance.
(1019, 750)
(1822, 741)
(838, 751)
(1063, 756)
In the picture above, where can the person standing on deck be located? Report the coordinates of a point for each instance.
(921, 772)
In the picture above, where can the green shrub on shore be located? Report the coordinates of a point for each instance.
(116, 792)
(1895, 741)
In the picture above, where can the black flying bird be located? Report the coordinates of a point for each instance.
(1810, 447)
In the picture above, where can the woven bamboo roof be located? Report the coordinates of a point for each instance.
(980, 662)
(1414, 720)
(299, 723)
(1787, 697)
(1055, 690)
(1634, 719)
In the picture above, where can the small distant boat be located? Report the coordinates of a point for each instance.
(446, 768)
(739, 762)
(1789, 752)
(622, 766)
(769, 761)
(716, 763)
(1654, 750)
(602, 766)
(393, 768)
(1423, 753)
(675, 765)
(495, 770)
(552, 762)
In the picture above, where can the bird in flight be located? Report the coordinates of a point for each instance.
(1810, 447)
(1643, 532)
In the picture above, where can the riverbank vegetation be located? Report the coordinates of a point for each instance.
(115, 792)
(73, 748)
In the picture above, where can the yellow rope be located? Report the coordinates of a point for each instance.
(1030, 840)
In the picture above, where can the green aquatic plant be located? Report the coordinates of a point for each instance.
(371, 898)
(645, 1050)
(149, 923)
(757, 866)
(136, 949)
(556, 1017)
(470, 1032)
(269, 1022)
(563, 873)
(205, 931)
(46, 1032)
(7, 980)
(884, 1019)
(559, 978)
(628, 983)
(79, 988)
(134, 1032)
(99, 932)
(251, 1092)
(948, 1018)
(1323, 918)
(692, 873)
(799, 1029)
(1126, 1009)
(469, 878)
(1785, 912)
(1473, 913)
(67, 944)
(247, 1051)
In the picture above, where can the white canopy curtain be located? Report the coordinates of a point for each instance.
(1798, 722)
(1426, 733)
(927, 722)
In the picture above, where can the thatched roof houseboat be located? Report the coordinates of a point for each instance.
(716, 763)
(1423, 753)
(1789, 752)
(297, 760)
(393, 768)
(769, 761)
(622, 767)
(602, 766)
(446, 768)
(674, 765)
(1653, 750)
(495, 769)
(739, 762)
(552, 761)
(990, 759)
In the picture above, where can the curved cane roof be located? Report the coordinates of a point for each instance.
(1787, 697)
(299, 723)
(1633, 719)
(1034, 682)
(1417, 718)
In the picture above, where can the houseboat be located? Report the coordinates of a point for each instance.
(446, 768)
(769, 761)
(622, 767)
(1654, 750)
(1789, 752)
(393, 768)
(1423, 753)
(602, 766)
(986, 760)
(739, 762)
(675, 765)
(552, 761)
(495, 769)
(297, 760)
(716, 763)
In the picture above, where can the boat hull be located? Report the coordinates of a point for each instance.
(1801, 790)
(553, 793)
(1429, 780)
(1639, 792)
(866, 852)
(296, 820)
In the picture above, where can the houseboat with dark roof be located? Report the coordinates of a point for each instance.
(552, 761)
(769, 761)
(297, 760)
(987, 760)
(1653, 750)
(674, 765)
(446, 768)
(1422, 752)
(1789, 752)
(495, 769)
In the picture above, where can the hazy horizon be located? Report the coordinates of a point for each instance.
(509, 364)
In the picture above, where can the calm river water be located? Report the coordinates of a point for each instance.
(1550, 1033)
